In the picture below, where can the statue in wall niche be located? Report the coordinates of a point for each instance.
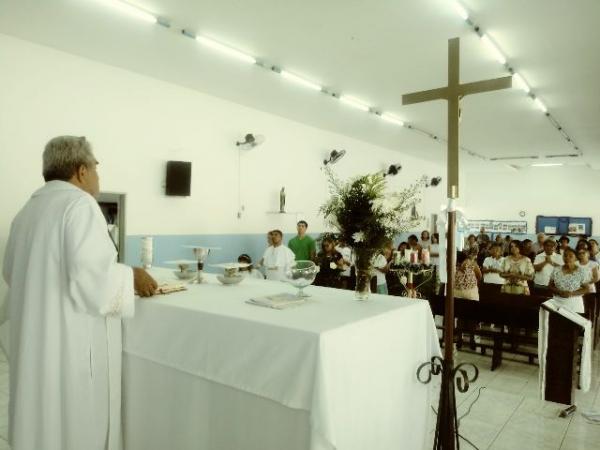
(282, 200)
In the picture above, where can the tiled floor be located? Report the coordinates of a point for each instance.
(508, 414)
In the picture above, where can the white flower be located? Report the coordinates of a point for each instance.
(389, 222)
(359, 236)
(332, 265)
(383, 203)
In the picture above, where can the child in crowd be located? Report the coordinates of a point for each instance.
(402, 248)
(346, 252)
(382, 266)
(250, 271)
(492, 266)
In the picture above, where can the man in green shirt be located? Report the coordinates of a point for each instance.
(303, 245)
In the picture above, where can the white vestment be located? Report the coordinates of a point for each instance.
(66, 296)
(276, 261)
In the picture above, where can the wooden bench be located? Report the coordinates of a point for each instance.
(494, 307)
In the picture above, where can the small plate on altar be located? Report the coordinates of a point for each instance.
(230, 280)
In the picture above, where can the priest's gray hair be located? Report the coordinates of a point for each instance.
(64, 155)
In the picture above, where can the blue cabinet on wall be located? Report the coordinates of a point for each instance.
(563, 225)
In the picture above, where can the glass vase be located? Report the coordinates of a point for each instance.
(363, 284)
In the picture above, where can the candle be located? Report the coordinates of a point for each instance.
(147, 257)
(426, 257)
(414, 257)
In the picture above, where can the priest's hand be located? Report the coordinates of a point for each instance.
(143, 283)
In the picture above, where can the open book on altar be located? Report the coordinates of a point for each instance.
(169, 288)
(276, 301)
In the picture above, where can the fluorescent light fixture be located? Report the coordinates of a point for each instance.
(540, 105)
(392, 119)
(226, 49)
(355, 103)
(547, 165)
(299, 80)
(132, 10)
(520, 83)
(460, 9)
(493, 49)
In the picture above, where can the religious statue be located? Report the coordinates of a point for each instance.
(282, 200)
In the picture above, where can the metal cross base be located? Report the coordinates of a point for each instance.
(446, 429)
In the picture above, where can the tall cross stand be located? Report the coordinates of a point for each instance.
(446, 433)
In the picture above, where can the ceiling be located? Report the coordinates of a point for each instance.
(375, 51)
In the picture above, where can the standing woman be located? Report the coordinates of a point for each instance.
(425, 240)
(471, 245)
(467, 276)
(331, 264)
(516, 270)
(594, 250)
(590, 267)
(434, 249)
(568, 283)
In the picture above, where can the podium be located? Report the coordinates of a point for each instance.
(560, 361)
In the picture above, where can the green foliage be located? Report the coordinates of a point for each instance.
(365, 214)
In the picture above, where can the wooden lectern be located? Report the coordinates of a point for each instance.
(561, 359)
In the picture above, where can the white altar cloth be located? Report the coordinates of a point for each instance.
(341, 373)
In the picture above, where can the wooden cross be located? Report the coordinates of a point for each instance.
(453, 93)
(446, 433)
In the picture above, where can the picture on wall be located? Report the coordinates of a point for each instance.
(577, 228)
(498, 226)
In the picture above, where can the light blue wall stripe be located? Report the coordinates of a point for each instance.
(169, 247)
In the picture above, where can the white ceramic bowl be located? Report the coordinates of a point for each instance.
(230, 280)
(185, 275)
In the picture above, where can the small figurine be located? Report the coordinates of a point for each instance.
(282, 200)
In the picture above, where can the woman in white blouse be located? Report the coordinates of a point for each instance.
(569, 283)
(425, 240)
(517, 270)
(590, 267)
(434, 249)
(492, 265)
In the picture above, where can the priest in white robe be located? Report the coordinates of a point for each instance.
(66, 296)
(277, 257)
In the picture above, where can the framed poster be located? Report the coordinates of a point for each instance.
(498, 226)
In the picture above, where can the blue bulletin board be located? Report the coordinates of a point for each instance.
(573, 226)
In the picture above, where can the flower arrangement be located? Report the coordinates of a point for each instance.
(366, 214)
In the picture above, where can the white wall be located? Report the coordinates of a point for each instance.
(137, 123)
(546, 191)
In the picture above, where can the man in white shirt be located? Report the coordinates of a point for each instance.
(482, 238)
(66, 297)
(544, 264)
(538, 247)
(277, 258)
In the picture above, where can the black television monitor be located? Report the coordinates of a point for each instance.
(179, 178)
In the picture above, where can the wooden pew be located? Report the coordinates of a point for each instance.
(514, 311)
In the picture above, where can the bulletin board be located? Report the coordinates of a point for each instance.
(573, 226)
(498, 226)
